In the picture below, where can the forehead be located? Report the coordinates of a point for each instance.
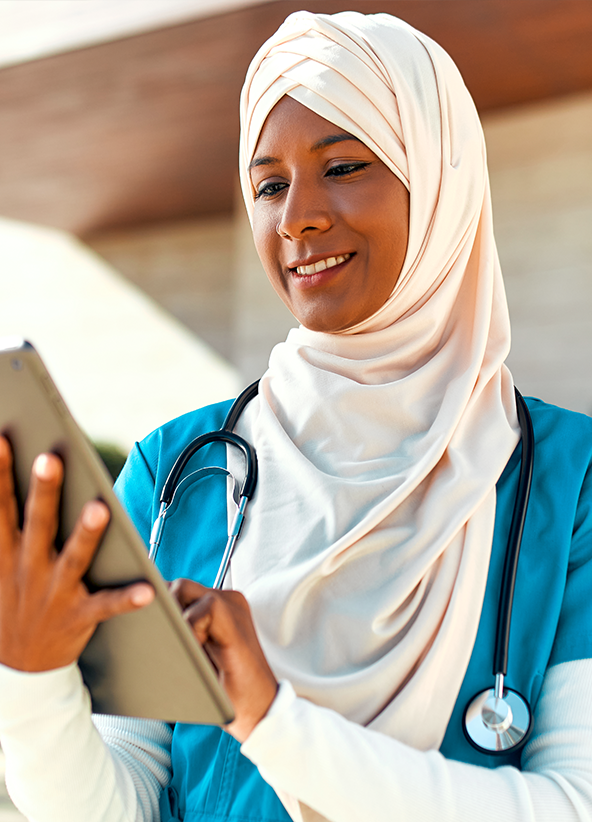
(290, 125)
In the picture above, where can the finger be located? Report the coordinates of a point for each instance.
(8, 506)
(199, 616)
(75, 558)
(221, 615)
(41, 509)
(109, 603)
(186, 591)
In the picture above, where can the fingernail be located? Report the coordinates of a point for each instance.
(142, 596)
(94, 515)
(43, 467)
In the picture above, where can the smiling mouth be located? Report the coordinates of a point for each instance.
(314, 268)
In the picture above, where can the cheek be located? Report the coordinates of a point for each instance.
(263, 236)
(394, 225)
(267, 246)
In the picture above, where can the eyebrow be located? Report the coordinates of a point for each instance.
(332, 139)
(326, 141)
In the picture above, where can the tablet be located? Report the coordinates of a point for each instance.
(146, 663)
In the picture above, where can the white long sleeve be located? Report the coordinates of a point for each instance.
(59, 769)
(320, 763)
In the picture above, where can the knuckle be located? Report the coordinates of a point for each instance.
(176, 590)
(193, 614)
(72, 562)
(108, 604)
(239, 600)
(212, 601)
(38, 518)
(178, 586)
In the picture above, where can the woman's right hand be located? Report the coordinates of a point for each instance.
(47, 614)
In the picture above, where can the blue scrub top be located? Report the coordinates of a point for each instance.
(551, 620)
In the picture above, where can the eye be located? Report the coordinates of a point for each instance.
(344, 169)
(269, 190)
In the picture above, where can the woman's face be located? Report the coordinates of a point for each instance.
(331, 221)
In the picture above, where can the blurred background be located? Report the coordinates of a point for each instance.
(125, 251)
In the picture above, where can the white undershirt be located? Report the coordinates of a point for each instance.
(59, 769)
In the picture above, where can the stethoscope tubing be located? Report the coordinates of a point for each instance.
(248, 452)
(503, 697)
(174, 479)
(499, 719)
(510, 571)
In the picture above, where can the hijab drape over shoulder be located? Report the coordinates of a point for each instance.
(366, 555)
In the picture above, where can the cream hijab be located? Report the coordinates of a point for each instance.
(366, 553)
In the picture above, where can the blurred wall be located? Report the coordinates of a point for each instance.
(540, 159)
(208, 275)
(188, 267)
(122, 363)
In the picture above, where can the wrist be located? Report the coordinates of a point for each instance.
(247, 720)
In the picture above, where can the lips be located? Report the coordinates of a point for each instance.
(319, 272)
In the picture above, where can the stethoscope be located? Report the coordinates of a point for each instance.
(496, 720)
(174, 483)
(499, 719)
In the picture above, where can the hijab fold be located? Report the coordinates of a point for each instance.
(366, 553)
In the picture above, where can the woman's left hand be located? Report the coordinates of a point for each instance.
(222, 624)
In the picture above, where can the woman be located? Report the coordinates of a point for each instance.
(387, 437)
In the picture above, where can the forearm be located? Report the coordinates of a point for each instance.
(347, 773)
(141, 750)
(58, 768)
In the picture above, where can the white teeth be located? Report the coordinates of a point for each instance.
(304, 270)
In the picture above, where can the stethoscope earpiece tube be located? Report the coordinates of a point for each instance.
(499, 719)
(173, 481)
(250, 481)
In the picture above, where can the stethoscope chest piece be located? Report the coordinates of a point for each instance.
(497, 720)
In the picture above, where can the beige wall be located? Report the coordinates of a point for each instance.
(540, 160)
(122, 363)
(208, 275)
(187, 267)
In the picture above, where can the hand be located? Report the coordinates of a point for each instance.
(47, 614)
(222, 623)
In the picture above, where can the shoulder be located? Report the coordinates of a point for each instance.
(556, 427)
(560, 524)
(563, 441)
(562, 457)
(150, 461)
(164, 443)
(562, 479)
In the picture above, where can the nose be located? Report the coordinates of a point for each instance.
(305, 209)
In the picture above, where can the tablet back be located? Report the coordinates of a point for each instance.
(144, 664)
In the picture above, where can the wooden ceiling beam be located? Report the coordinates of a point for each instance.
(145, 129)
